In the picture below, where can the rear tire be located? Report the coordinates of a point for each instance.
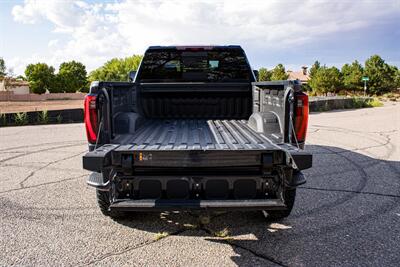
(289, 196)
(103, 200)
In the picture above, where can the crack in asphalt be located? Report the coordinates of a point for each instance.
(251, 251)
(141, 245)
(386, 144)
(30, 165)
(37, 151)
(349, 191)
(346, 130)
(21, 184)
(357, 149)
(384, 134)
(197, 227)
(42, 144)
(38, 185)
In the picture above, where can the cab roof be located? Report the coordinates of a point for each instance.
(195, 47)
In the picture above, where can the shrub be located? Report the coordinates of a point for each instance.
(59, 118)
(21, 118)
(43, 117)
(3, 119)
(375, 103)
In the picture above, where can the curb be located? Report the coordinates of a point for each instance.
(320, 104)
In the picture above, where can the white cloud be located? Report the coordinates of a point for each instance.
(53, 43)
(98, 32)
(65, 15)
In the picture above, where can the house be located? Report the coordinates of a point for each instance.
(18, 87)
(302, 75)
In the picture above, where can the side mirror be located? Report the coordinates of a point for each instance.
(256, 74)
(132, 75)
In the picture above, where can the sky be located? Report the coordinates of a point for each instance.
(294, 33)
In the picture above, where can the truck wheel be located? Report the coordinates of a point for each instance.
(289, 196)
(103, 200)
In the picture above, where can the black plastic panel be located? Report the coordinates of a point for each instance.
(177, 189)
(245, 189)
(217, 189)
(149, 189)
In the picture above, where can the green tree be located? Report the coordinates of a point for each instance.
(2, 68)
(381, 75)
(325, 80)
(314, 68)
(397, 78)
(59, 84)
(264, 74)
(279, 73)
(40, 77)
(71, 77)
(116, 69)
(21, 78)
(352, 75)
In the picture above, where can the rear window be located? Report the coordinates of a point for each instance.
(195, 66)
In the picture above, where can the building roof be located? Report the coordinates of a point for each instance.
(12, 82)
(298, 75)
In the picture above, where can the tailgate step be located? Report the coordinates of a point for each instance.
(164, 204)
(95, 179)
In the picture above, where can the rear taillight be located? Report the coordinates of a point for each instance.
(301, 117)
(90, 118)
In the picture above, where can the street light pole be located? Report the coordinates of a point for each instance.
(365, 79)
(365, 87)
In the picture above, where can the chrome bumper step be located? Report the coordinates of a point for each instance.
(164, 204)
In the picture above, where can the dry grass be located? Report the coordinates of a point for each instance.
(161, 235)
(224, 233)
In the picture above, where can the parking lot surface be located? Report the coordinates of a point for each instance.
(347, 214)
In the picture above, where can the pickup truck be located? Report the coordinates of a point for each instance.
(194, 130)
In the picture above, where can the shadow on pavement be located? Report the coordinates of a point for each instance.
(348, 213)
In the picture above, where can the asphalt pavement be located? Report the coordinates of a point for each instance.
(348, 213)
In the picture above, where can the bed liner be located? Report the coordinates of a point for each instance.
(196, 134)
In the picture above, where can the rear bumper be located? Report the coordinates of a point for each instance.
(156, 193)
(116, 156)
(161, 205)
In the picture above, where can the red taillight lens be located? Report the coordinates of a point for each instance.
(90, 118)
(301, 119)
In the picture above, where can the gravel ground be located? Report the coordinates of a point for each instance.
(347, 214)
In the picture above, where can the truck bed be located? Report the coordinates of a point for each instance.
(197, 134)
